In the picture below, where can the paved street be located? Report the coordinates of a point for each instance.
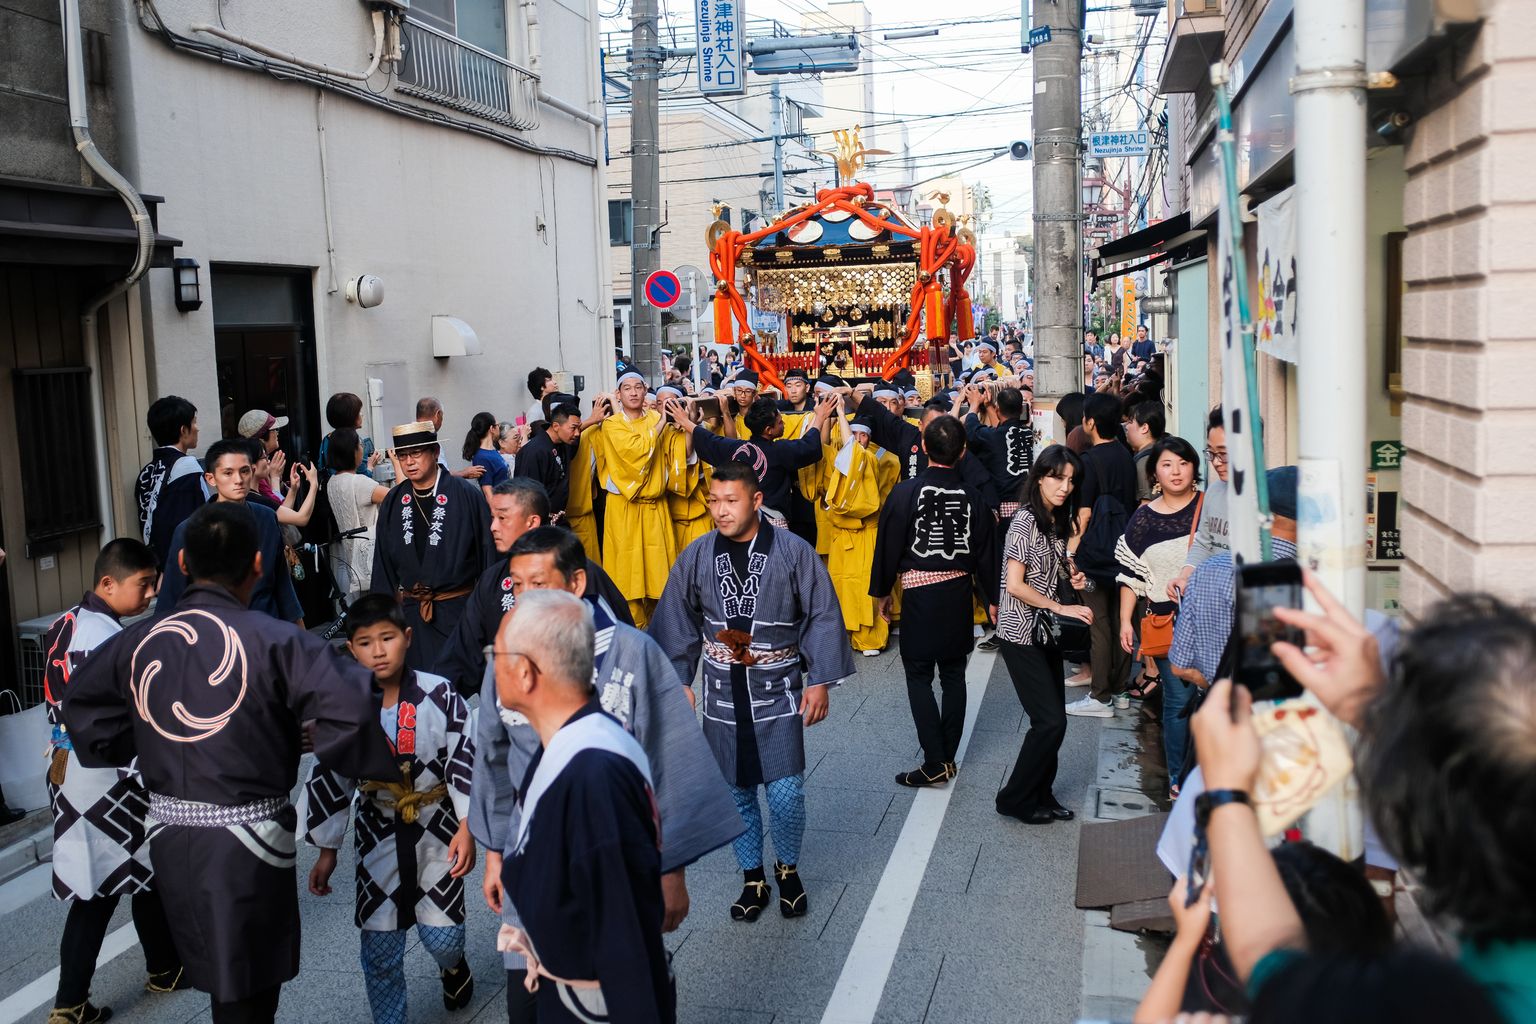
(992, 933)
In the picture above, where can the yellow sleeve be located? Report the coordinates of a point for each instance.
(681, 477)
(854, 494)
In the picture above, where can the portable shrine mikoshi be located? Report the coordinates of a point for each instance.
(847, 273)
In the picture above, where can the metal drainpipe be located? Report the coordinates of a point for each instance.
(80, 123)
(531, 18)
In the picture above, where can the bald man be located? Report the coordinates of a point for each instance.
(584, 869)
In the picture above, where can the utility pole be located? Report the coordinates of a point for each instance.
(1329, 86)
(778, 149)
(1058, 174)
(645, 185)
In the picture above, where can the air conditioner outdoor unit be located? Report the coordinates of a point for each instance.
(32, 646)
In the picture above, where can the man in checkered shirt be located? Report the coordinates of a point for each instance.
(1205, 615)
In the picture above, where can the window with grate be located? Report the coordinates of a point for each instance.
(57, 451)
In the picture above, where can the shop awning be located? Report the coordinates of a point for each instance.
(1161, 241)
(46, 222)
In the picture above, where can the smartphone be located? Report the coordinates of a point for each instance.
(1260, 588)
(522, 419)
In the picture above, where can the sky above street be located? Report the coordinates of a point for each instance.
(961, 92)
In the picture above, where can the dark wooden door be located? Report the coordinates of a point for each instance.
(260, 368)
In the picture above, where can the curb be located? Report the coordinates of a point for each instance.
(28, 853)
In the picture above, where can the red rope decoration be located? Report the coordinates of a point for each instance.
(936, 248)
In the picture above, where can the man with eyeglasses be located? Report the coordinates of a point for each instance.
(583, 864)
(636, 684)
(1211, 536)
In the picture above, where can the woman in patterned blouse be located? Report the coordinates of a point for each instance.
(1034, 560)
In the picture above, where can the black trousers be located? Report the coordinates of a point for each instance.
(260, 1008)
(1041, 685)
(522, 1005)
(86, 927)
(938, 731)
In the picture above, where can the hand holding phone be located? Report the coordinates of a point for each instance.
(1256, 629)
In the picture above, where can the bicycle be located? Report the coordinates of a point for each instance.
(332, 631)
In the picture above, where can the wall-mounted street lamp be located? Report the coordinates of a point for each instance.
(189, 295)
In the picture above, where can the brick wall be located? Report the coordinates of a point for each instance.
(1469, 361)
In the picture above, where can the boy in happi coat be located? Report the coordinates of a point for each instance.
(413, 841)
(757, 604)
(100, 847)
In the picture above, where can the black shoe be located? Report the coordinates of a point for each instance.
(930, 773)
(175, 980)
(1062, 814)
(458, 985)
(792, 898)
(991, 643)
(85, 1013)
(1038, 816)
(951, 769)
(754, 898)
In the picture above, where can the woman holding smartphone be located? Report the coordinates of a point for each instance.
(1034, 561)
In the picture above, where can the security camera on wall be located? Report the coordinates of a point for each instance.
(367, 291)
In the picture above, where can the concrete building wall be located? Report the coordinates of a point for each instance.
(456, 224)
(1469, 476)
(35, 138)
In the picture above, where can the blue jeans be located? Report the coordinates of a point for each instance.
(1176, 694)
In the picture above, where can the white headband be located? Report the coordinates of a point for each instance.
(629, 375)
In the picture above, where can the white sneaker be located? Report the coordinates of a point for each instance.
(1090, 708)
(1123, 702)
(871, 654)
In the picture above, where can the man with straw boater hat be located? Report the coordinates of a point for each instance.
(433, 541)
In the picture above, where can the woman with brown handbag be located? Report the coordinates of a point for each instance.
(1150, 554)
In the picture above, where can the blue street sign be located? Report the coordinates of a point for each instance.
(1039, 35)
(662, 289)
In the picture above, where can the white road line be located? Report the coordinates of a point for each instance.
(859, 987)
(25, 888)
(18, 1004)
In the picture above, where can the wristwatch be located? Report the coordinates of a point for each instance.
(1211, 799)
(1383, 887)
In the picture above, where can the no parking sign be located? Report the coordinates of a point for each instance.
(662, 289)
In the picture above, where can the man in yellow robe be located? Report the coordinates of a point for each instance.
(688, 479)
(580, 516)
(639, 546)
(858, 478)
(813, 478)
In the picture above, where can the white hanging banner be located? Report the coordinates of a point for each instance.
(1242, 492)
(1274, 319)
